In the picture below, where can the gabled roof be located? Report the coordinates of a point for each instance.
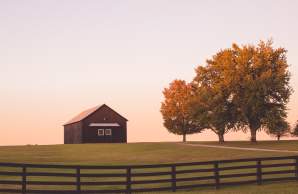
(88, 112)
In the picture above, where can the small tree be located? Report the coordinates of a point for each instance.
(294, 133)
(176, 109)
(278, 128)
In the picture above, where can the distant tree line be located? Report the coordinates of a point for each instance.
(242, 88)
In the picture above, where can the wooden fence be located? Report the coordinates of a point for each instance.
(214, 173)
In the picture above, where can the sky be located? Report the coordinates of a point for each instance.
(60, 57)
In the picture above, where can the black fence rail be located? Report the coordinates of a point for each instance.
(36, 178)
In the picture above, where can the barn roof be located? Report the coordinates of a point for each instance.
(88, 112)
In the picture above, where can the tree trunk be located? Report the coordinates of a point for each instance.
(184, 137)
(278, 137)
(221, 138)
(253, 135)
(254, 125)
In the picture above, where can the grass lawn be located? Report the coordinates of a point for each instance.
(278, 188)
(140, 153)
(132, 153)
(277, 145)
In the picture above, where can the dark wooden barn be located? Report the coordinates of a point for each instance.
(100, 124)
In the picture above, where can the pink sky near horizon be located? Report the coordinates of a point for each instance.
(60, 57)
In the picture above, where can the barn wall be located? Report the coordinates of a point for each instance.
(73, 133)
(119, 134)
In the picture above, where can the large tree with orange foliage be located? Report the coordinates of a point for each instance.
(176, 109)
(246, 87)
(262, 84)
(213, 104)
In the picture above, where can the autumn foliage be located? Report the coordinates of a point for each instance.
(240, 88)
(176, 109)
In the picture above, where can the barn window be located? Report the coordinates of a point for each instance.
(108, 132)
(100, 132)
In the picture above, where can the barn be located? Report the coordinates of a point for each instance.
(100, 124)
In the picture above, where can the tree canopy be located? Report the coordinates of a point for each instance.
(213, 105)
(295, 130)
(176, 109)
(242, 87)
(278, 128)
(262, 89)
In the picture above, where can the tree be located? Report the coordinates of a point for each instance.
(295, 130)
(213, 105)
(262, 84)
(240, 88)
(278, 128)
(176, 109)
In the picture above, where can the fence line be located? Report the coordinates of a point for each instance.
(220, 171)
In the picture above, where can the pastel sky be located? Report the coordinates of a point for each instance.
(59, 57)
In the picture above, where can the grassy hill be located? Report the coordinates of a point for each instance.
(150, 153)
(132, 153)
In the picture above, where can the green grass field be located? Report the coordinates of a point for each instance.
(150, 153)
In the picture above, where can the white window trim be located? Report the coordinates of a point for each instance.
(108, 132)
(104, 125)
(100, 132)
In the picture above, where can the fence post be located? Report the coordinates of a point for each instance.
(296, 168)
(24, 180)
(128, 180)
(78, 176)
(216, 175)
(173, 168)
(259, 172)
